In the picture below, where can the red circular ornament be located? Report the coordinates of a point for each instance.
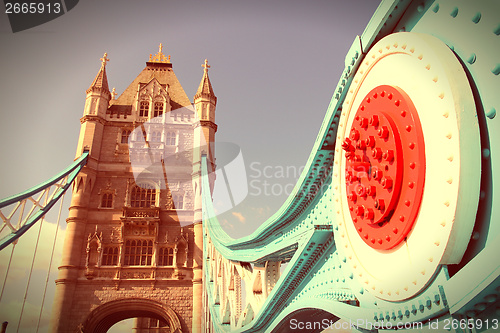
(385, 167)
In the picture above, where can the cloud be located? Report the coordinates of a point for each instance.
(239, 216)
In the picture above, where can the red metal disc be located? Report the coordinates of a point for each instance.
(385, 167)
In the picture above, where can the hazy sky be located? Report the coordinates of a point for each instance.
(274, 65)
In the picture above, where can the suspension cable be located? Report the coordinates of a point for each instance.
(8, 268)
(32, 265)
(50, 263)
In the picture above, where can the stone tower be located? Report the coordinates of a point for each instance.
(133, 245)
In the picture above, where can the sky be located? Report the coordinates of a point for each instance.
(274, 66)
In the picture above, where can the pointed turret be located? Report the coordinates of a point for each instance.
(205, 87)
(205, 99)
(100, 83)
(98, 94)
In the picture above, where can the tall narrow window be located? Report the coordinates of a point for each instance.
(144, 109)
(107, 200)
(138, 252)
(156, 137)
(166, 257)
(125, 135)
(110, 256)
(204, 114)
(158, 109)
(178, 201)
(143, 196)
(170, 139)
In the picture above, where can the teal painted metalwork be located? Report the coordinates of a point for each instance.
(66, 177)
(245, 289)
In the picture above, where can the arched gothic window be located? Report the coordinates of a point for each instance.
(125, 135)
(107, 200)
(144, 109)
(170, 139)
(156, 136)
(158, 111)
(166, 257)
(178, 201)
(143, 196)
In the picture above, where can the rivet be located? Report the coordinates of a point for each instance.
(412, 165)
(375, 95)
(408, 203)
(435, 79)
(402, 218)
(368, 100)
(493, 112)
(454, 12)
(486, 153)
(428, 66)
(443, 223)
(436, 8)
(420, 56)
(372, 240)
(450, 158)
(490, 298)
(397, 103)
(431, 259)
(470, 313)
(450, 180)
(379, 241)
(388, 238)
(446, 114)
(447, 203)
(411, 184)
(411, 145)
(403, 113)
(395, 230)
(436, 243)
(480, 306)
(475, 235)
(408, 128)
(476, 18)
(389, 96)
(420, 8)
(441, 95)
(472, 58)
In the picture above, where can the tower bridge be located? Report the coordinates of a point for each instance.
(392, 225)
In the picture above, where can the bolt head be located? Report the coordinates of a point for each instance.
(374, 120)
(369, 214)
(388, 155)
(377, 153)
(370, 142)
(380, 204)
(386, 182)
(359, 210)
(383, 132)
(371, 190)
(354, 135)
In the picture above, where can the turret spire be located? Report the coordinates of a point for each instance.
(100, 82)
(205, 85)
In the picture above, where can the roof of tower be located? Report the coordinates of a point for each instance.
(205, 85)
(158, 67)
(100, 82)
